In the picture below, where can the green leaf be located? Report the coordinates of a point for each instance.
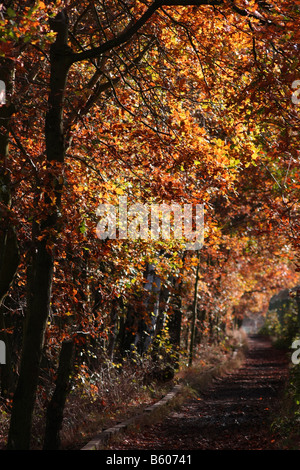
(11, 13)
(82, 227)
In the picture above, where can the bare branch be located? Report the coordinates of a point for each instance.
(135, 25)
(124, 37)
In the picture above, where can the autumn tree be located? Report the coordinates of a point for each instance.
(124, 114)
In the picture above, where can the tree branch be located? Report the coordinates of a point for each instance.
(135, 26)
(126, 34)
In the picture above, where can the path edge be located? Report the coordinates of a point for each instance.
(101, 440)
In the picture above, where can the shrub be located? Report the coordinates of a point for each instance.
(282, 324)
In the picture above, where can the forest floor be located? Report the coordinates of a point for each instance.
(234, 413)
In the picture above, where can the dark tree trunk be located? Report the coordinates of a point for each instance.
(127, 332)
(175, 327)
(40, 282)
(56, 406)
(176, 316)
(194, 313)
(113, 329)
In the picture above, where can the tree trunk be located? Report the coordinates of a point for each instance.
(194, 313)
(175, 318)
(175, 327)
(56, 406)
(40, 282)
(127, 332)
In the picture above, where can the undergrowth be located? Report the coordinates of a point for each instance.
(113, 392)
(133, 394)
(282, 327)
(286, 425)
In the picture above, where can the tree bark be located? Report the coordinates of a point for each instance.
(40, 283)
(175, 325)
(194, 313)
(56, 406)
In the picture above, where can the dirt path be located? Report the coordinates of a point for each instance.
(233, 414)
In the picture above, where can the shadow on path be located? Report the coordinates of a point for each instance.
(233, 413)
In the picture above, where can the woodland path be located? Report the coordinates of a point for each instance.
(233, 414)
